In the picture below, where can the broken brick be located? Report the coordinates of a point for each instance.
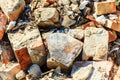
(112, 36)
(33, 43)
(95, 43)
(105, 7)
(114, 25)
(12, 8)
(89, 24)
(23, 58)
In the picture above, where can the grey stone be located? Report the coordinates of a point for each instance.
(35, 71)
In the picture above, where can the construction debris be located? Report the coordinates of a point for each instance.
(59, 40)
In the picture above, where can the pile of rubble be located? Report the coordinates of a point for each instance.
(59, 40)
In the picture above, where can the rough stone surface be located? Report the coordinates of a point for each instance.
(92, 70)
(95, 43)
(29, 38)
(11, 68)
(63, 48)
(12, 8)
(102, 7)
(6, 76)
(46, 16)
(67, 22)
(76, 33)
(20, 75)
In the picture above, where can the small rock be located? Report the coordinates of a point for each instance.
(35, 71)
(83, 5)
(101, 19)
(74, 7)
(11, 25)
(20, 75)
(67, 22)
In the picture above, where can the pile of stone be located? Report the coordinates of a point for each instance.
(59, 40)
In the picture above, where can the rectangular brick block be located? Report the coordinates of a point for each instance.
(12, 8)
(105, 7)
(95, 43)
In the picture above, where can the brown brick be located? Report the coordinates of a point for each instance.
(23, 58)
(105, 7)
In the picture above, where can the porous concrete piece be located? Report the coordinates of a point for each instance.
(95, 43)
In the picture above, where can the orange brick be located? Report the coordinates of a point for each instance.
(113, 25)
(105, 7)
(92, 19)
(112, 36)
(3, 22)
(23, 58)
(89, 24)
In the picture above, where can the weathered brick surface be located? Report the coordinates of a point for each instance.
(105, 7)
(23, 58)
(11, 68)
(63, 52)
(92, 70)
(3, 22)
(95, 43)
(12, 8)
(114, 25)
(29, 38)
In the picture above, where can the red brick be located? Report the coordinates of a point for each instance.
(3, 22)
(112, 36)
(23, 58)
